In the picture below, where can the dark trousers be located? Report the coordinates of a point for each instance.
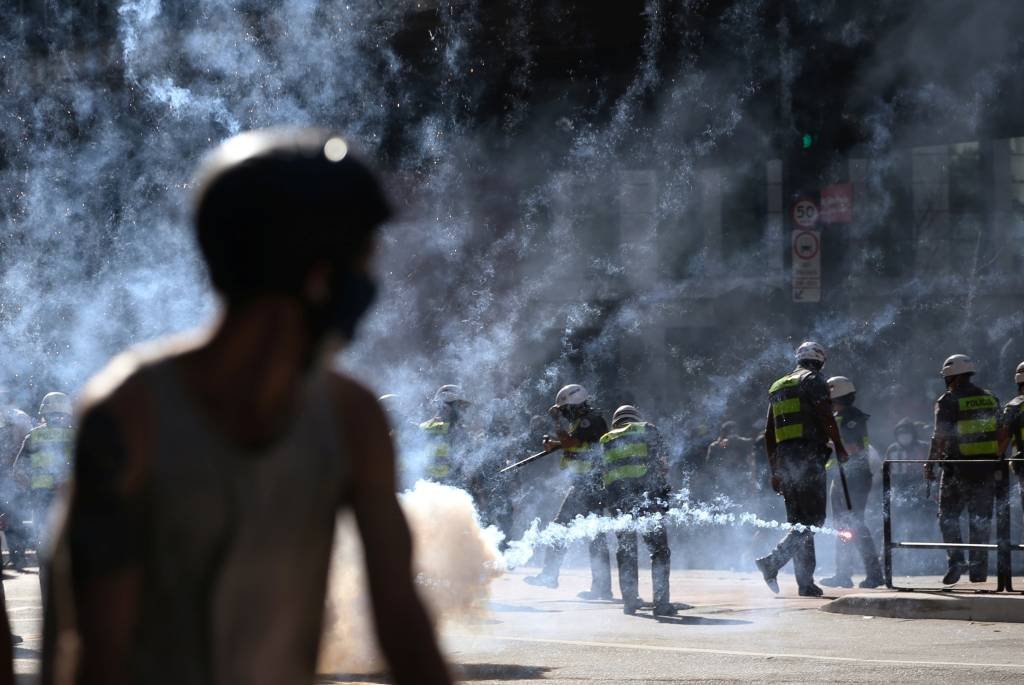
(976, 494)
(34, 505)
(858, 482)
(584, 497)
(627, 553)
(497, 511)
(802, 474)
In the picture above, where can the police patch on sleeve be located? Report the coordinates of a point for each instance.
(851, 424)
(584, 423)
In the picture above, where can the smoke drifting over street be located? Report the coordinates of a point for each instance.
(609, 227)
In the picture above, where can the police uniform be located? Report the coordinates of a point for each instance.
(585, 496)
(968, 417)
(440, 437)
(44, 462)
(635, 477)
(800, 454)
(853, 429)
(1013, 423)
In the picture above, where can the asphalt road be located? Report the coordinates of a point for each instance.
(25, 612)
(735, 631)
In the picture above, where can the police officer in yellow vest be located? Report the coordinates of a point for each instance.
(853, 426)
(966, 427)
(799, 425)
(635, 474)
(44, 461)
(581, 455)
(1012, 426)
(14, 426)
(444, 436)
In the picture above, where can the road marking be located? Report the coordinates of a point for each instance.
(764, 655)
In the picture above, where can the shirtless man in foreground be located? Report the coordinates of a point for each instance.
(209, 472)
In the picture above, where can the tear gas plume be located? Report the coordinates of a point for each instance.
(456, 559)
(455, 562)
(678, 512)
(611, 229)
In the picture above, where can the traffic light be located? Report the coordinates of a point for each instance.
(808, 140)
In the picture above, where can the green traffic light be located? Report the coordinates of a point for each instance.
(807, 140)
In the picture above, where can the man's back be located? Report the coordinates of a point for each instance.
(233, 543)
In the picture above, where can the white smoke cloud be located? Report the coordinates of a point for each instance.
(455, 562)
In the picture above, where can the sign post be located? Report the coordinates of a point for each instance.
(806, 265)
(806, 246)
(805, 213)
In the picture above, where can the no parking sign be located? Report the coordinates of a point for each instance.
(806, 265)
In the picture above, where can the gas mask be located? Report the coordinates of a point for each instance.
(905, 439)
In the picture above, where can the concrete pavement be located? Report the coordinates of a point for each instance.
(736, 631)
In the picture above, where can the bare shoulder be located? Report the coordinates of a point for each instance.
(354, 401)
(364, 426)
(118, 387)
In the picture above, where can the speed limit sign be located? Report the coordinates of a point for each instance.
(805, 213)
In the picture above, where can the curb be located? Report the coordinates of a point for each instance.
(934, 605)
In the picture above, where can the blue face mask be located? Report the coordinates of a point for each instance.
(354, 293)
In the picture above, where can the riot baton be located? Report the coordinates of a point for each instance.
(842, 479)
(529, 459)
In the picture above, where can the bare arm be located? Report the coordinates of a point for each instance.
(103, 533)
(404, 630)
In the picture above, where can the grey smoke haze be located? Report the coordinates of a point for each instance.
(507, 271)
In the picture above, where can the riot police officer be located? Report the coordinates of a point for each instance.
(581, 455)
(799, 425)
(966, 428)
(853, 426)
(635, 474)
(44, 461)
(444, 436)
(1013, 428)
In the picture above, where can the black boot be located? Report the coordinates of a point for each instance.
(631, 604)
(541, 580)
(768, 572)
(665, 610)
(837, 580)
(811, 590)
(953, 574)
(548, 577)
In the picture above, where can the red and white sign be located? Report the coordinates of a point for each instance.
(806, 265)
(837, 203)
(805, 213)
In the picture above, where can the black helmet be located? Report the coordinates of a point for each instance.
(271, 204)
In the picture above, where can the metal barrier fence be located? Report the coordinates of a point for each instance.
(1003, 547)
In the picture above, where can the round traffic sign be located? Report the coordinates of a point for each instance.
(806, 245)
(805, 213)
